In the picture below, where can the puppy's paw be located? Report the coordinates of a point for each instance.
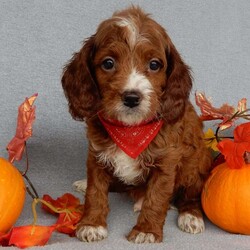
(190, 223)
(80, 186)
(91, 234)
(141, 237)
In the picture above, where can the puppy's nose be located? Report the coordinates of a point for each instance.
(131, 99)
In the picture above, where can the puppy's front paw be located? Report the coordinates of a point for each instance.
(141, 237)
(90, 233)
(190, 223)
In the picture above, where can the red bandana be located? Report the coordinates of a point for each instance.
(132, 139)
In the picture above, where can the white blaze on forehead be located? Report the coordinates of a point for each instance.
(132, 28)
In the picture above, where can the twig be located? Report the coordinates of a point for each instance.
(240, 114)
(27, 159)
(34, 194)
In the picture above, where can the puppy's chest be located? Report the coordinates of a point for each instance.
(128, 170)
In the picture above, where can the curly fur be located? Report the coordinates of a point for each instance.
(175, 165)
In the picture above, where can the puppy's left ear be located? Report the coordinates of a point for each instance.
(178, 85)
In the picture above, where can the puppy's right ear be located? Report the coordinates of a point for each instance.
(79, 84)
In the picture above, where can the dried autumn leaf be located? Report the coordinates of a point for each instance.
(209, 112)
(28, 236)
(224, 113)
(67, 201)
(67, 222)
(70, 212)
(234, 151)
(210, 140)
(69, 209)
(25, 119)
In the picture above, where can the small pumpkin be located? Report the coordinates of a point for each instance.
(226, 198)
(226, 194)
(12, 195)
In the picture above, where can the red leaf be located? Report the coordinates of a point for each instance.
(69, 209)
(242, 133)
(66, 223)
(68, 201)
(234, 151)
(70, 212)
(233, 155)
(27, 236)
(25, 119)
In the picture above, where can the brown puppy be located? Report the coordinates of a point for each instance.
(131, 86)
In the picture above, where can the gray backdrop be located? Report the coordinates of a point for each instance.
(38, 37)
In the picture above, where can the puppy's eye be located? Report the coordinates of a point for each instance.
(154, 65)
(108, 64)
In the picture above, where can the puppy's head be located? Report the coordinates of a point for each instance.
(129, 70)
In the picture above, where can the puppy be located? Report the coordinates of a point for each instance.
(131, 87)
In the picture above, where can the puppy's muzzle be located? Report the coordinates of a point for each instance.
(131, 99)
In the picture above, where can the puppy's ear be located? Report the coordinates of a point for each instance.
(79, 84)
(178, 85)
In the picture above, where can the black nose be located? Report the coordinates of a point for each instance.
(131, 99)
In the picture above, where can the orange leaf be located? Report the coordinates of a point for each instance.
(66, 223)
(242, 133)
(67, 201)
(234, 151)
(25, 119)
(69, 209)
(27, 236)
(70, 212)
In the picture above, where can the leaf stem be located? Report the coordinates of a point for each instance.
(68, 212)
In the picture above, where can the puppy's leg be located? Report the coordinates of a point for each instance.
(190, 218)
(138, 195)
(93, 226)
(138, 204)
(149, 227)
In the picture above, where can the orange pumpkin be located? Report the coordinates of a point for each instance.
(226, 198)
(12, 195)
